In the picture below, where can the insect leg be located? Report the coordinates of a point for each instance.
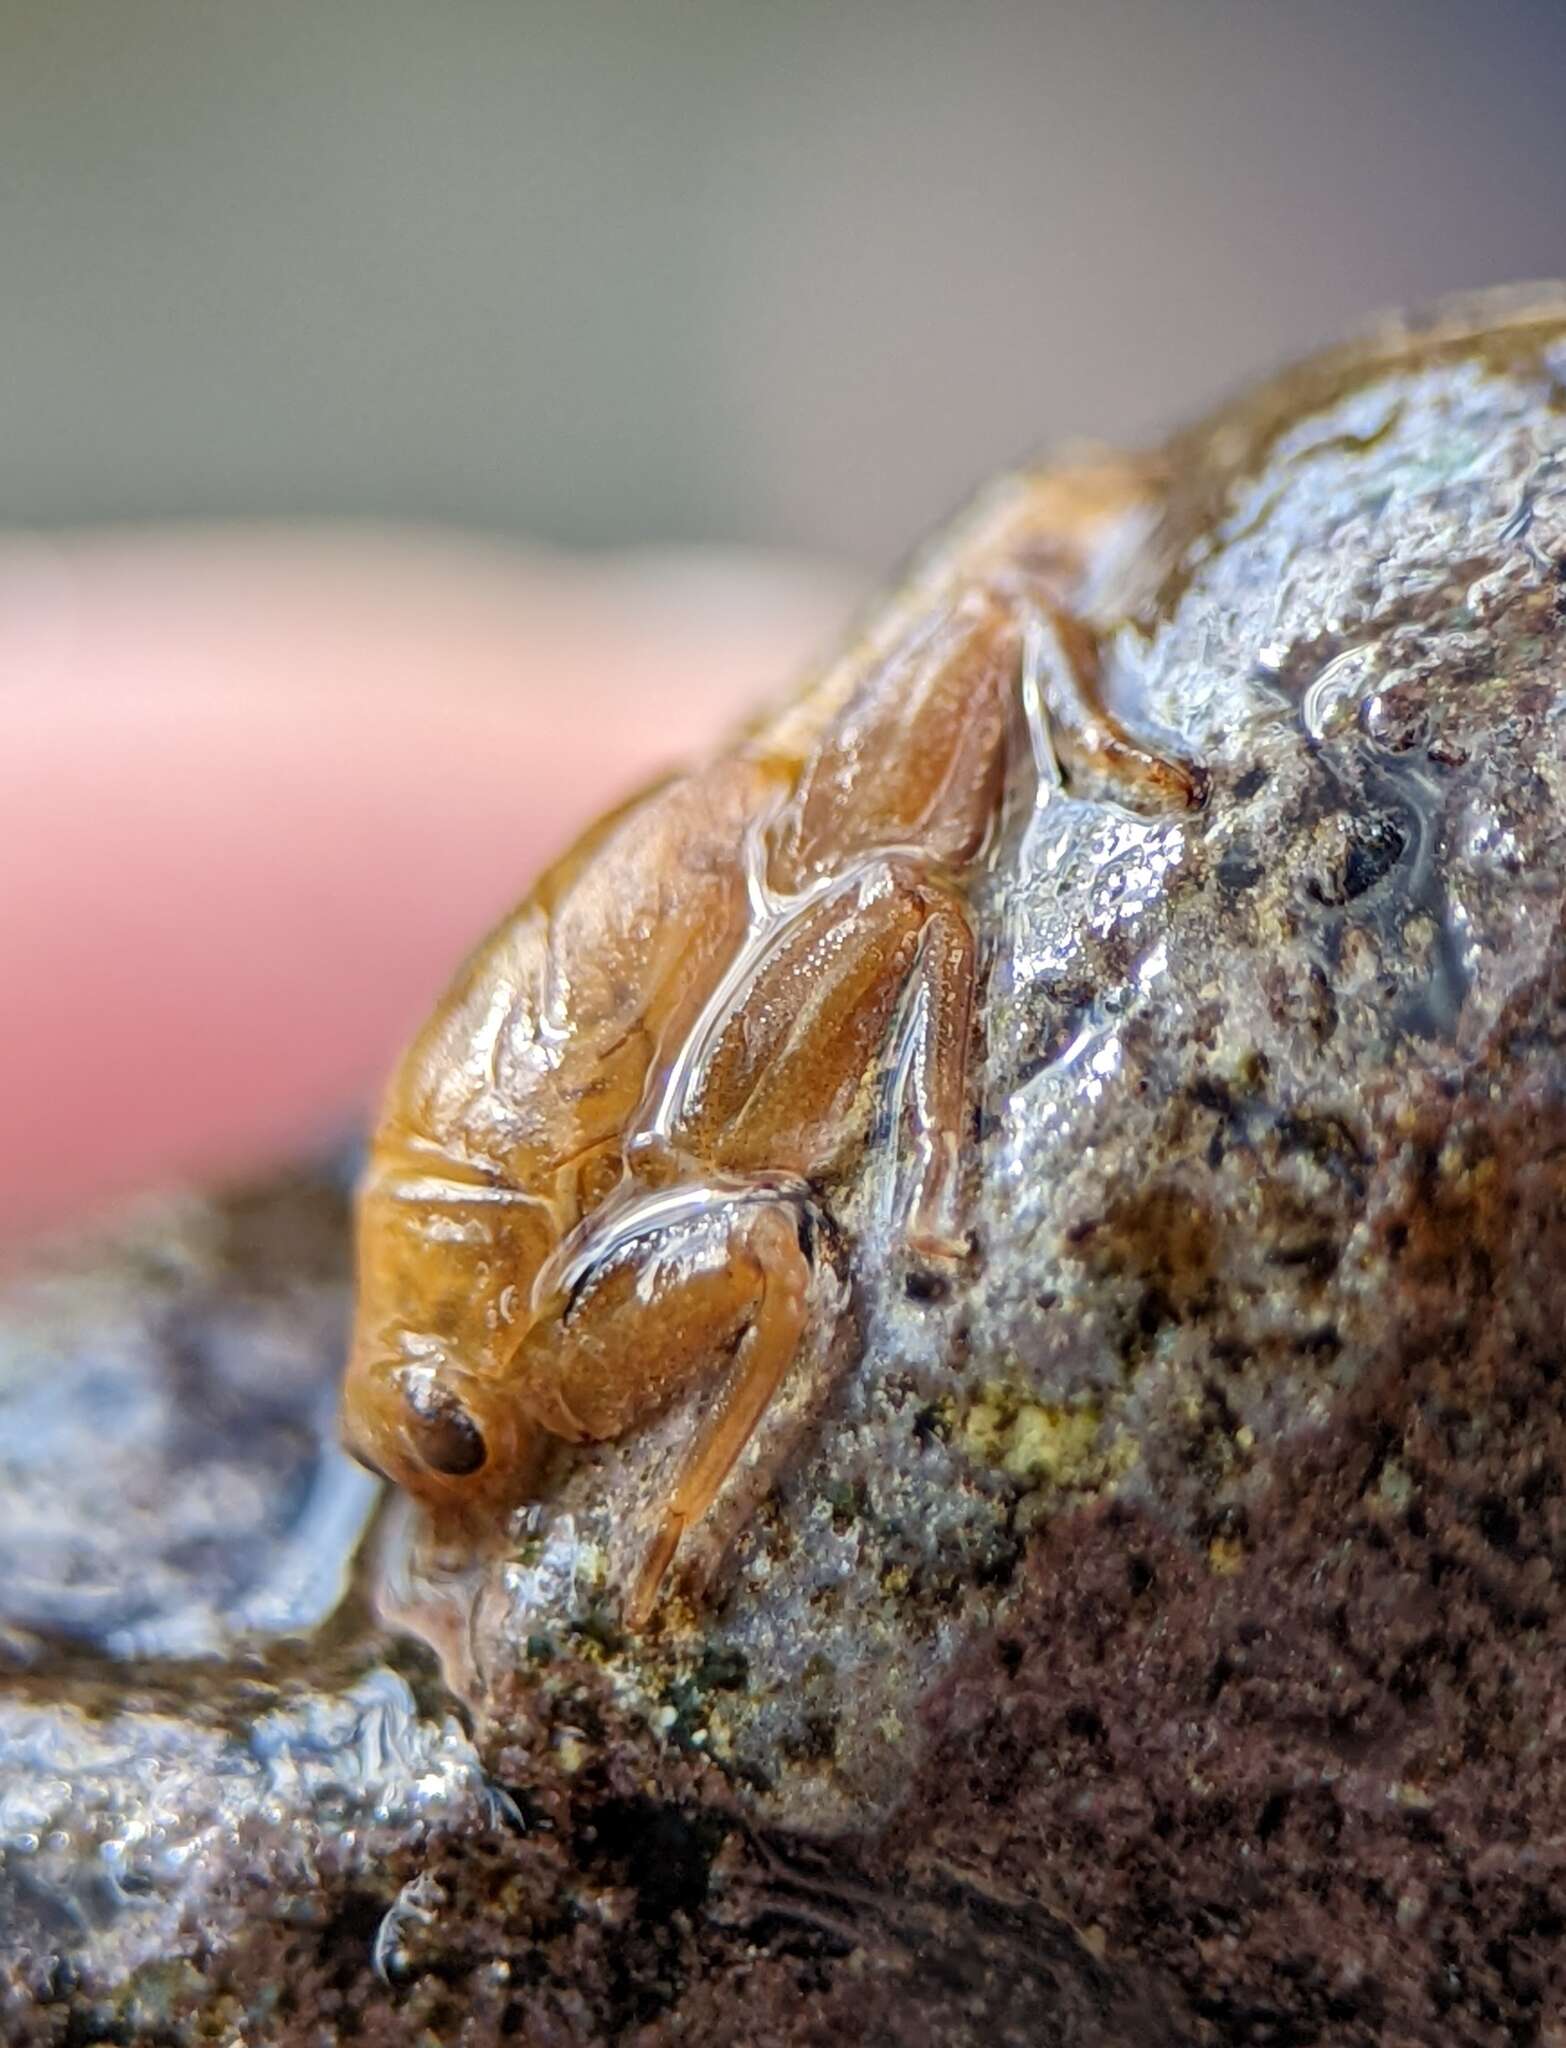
(770, 1243)
(1087, 732)
(931, 1074)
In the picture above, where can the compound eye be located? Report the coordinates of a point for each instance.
(442, 1432)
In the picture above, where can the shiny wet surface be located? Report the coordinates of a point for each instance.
(1268, 1203)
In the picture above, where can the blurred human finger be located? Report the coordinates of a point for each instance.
(258, 793)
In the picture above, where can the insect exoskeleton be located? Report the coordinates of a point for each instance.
(599, 1172)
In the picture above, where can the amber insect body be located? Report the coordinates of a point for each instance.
(598, 1173)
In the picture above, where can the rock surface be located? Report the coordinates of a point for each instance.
(1161, 1637)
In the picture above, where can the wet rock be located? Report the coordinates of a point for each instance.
(1157, 1636)
(168, 1481)
(234, 1807)
(174, 1523)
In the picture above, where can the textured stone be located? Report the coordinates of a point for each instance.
(1159, 1637)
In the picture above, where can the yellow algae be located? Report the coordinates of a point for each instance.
(1041, 1443)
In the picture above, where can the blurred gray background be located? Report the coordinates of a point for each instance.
(788, 274)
